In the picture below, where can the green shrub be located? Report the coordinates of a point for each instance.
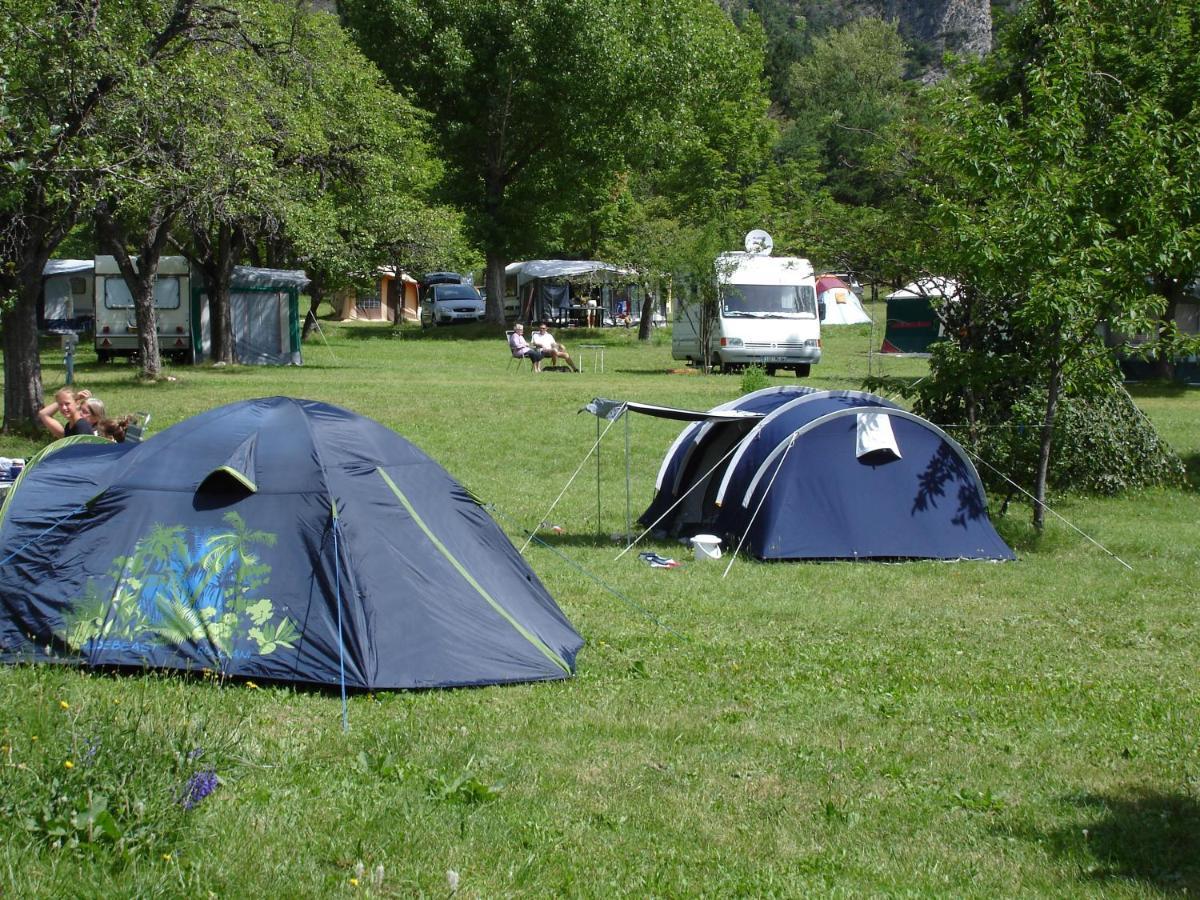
(754, 378)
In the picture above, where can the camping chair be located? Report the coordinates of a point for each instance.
(512, 357)
(137, 428)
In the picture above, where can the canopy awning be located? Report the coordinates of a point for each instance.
(532, 269)
(611, 409)
(67, 266)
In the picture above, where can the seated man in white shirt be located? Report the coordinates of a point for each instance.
(551, 349)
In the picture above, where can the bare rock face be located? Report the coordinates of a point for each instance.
(961, 26)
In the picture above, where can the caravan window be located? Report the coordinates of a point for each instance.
(769, 299)
(117, 296)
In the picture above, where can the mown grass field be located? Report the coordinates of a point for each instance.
(791, 730)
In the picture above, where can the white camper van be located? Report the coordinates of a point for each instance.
(116, 324)
(766, 313)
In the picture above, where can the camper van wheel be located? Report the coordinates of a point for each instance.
(103, 356)
(803, 370)
(771, 370)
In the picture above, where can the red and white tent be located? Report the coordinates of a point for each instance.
(842, 306)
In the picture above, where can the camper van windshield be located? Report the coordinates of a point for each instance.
(117, 296)
(766, 300)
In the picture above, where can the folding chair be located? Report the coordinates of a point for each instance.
(513, 358)
(137, 429)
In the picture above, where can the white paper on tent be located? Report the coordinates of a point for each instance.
(875, 435)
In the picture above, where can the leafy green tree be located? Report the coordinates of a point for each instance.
(536, 106)
(61, 67)
(357, 169)
(842, 97)
(1016, 208)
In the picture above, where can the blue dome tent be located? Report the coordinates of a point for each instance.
(276, 539)
(810, 474)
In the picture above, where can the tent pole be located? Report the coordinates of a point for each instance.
(628, 519)
(599, 530)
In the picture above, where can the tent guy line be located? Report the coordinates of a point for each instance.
(1052, 512)
(632, 604)
(762, 500)
(683, 497)
(571, 480)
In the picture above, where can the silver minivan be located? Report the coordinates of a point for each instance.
(448, 304)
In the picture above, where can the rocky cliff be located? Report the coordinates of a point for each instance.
(963, 26)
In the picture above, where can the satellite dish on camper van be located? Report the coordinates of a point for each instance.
(758, 241)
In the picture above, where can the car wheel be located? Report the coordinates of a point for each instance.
(803, 370)
(771, 370)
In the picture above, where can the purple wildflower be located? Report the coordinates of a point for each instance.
(195, 754)
(89, 751)
(199, 786)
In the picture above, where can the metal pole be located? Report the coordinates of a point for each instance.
(628, 517)
(599, 531)
(69, 360)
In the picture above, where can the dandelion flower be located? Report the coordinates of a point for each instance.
(252, 685)
(354, 882)
(33, 737)
(63, 704)
(69, 764)
(166, 857)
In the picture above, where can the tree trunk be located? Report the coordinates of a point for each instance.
(316, 293)
(646, 322)
(216, 259)
(22, 365)
(140, 278)
(1047, 435)
(1164, 360)
(494, 308)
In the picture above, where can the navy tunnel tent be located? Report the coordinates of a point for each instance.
(276, 539)
(811, 474)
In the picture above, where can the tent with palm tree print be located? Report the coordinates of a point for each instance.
(273, 539)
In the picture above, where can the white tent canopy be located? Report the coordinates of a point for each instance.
(532, 269)
(931, 286)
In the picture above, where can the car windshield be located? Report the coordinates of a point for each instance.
(455, 292)
(765, 300)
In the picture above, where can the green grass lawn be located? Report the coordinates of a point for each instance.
(793, 729)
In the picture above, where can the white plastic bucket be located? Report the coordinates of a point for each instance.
(706, 546)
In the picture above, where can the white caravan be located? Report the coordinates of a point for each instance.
(116, 325)
(766, 313)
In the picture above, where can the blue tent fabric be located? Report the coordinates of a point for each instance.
(334, 550)
(794, 485)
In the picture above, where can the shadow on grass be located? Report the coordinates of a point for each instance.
(1191, 468)
(470, 332)
(1157, 389)
(1143, 836)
